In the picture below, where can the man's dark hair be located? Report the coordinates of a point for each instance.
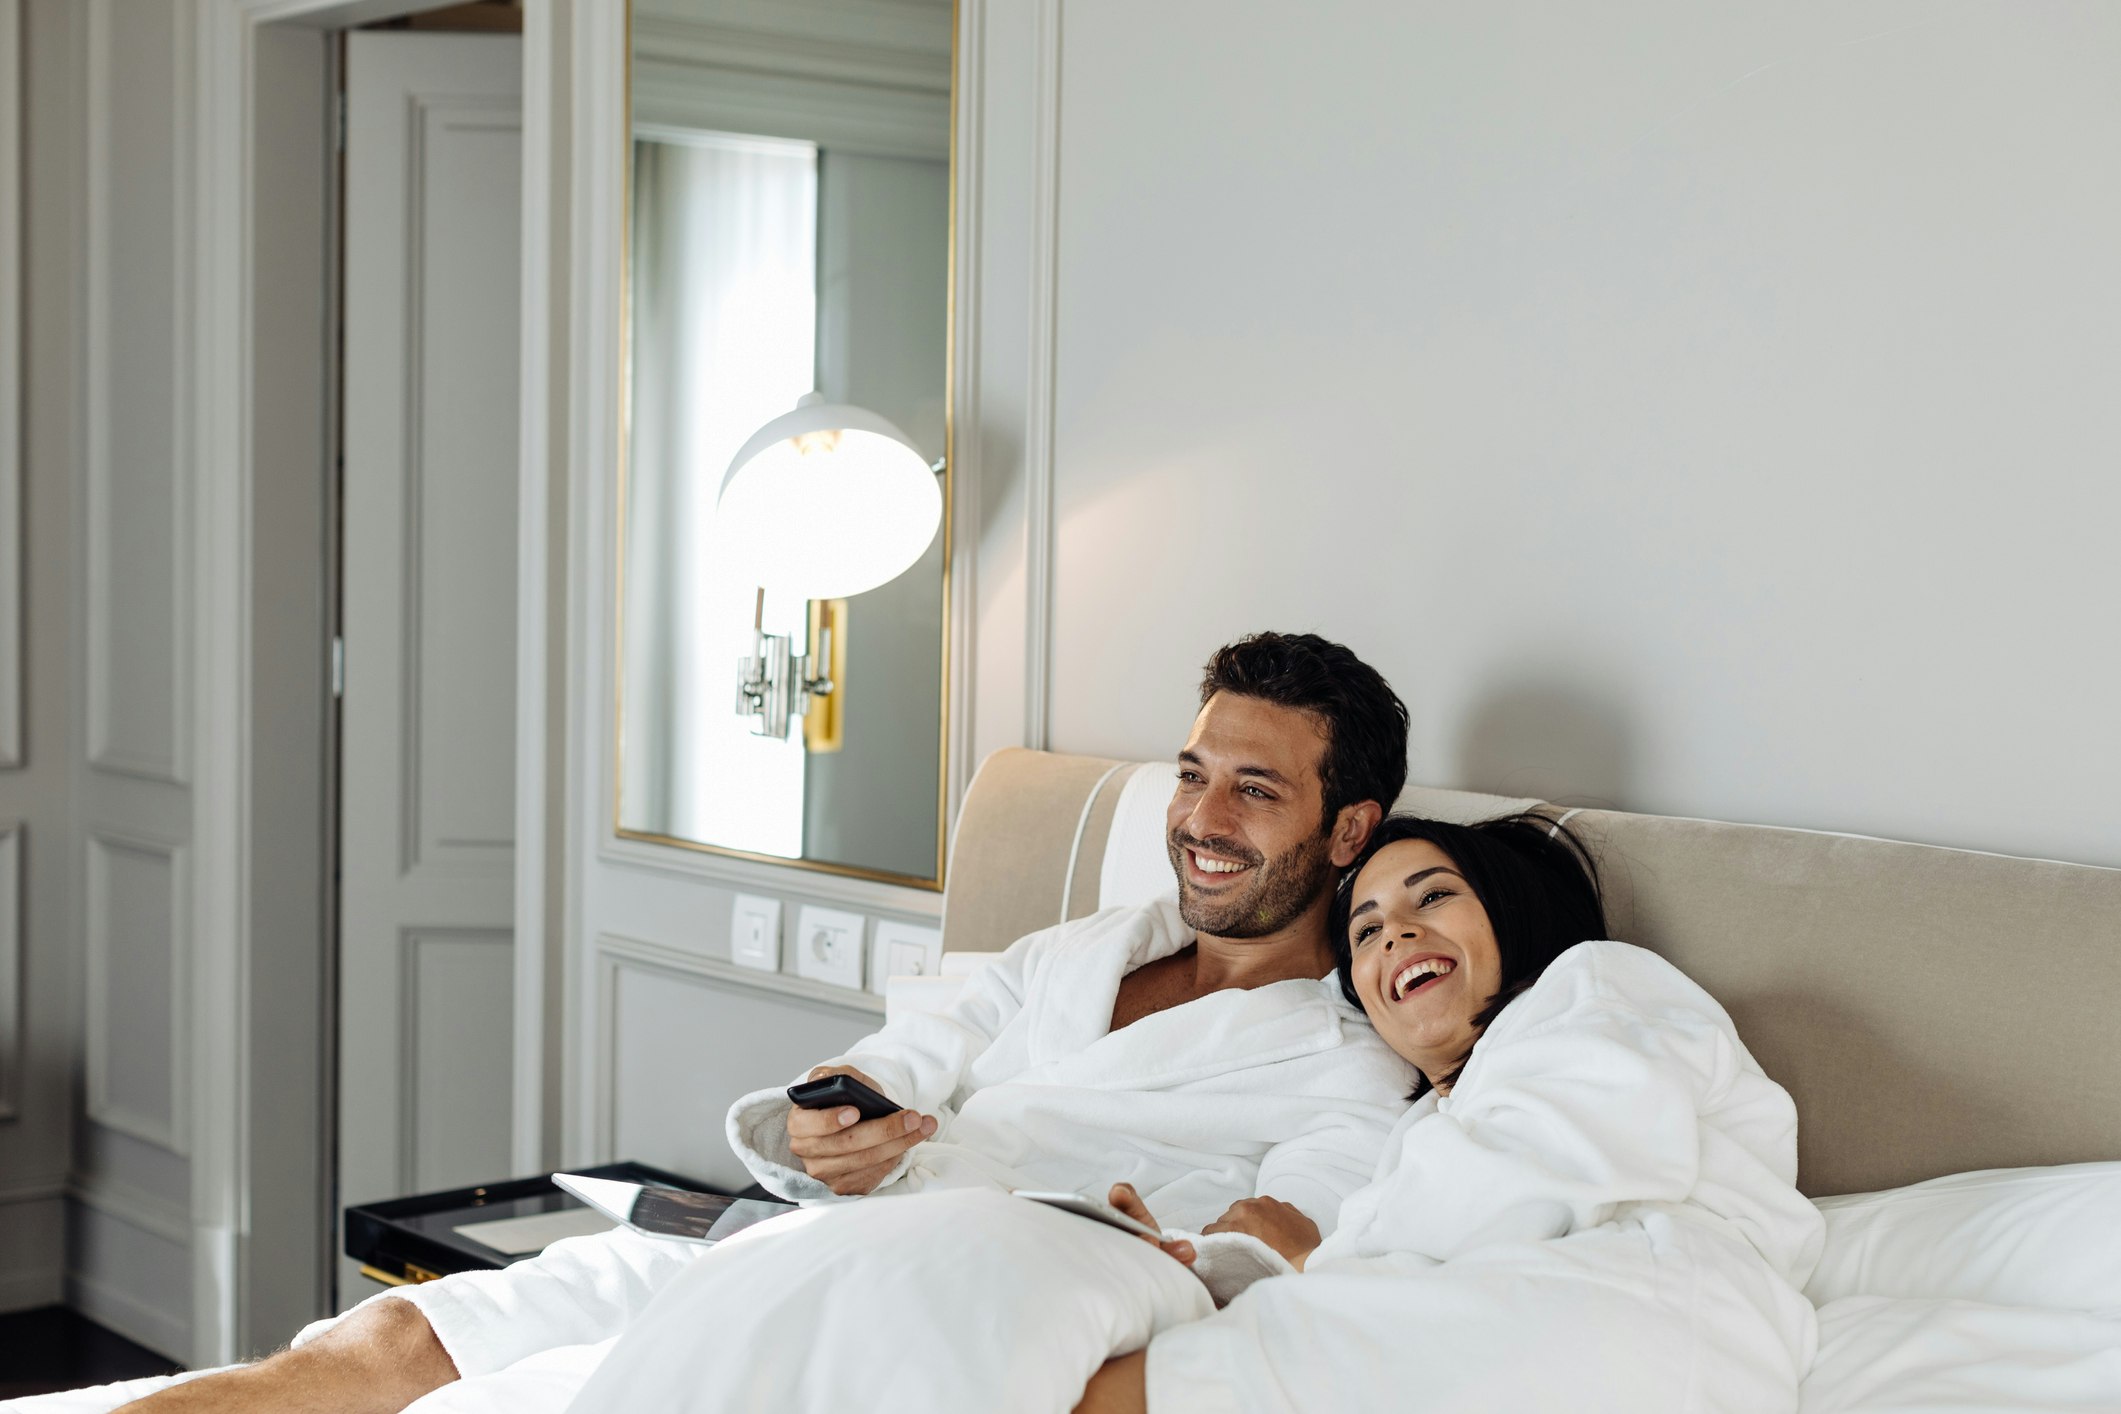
(1534, 877)
(1365, 723)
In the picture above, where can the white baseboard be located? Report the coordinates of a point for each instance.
(117, 1310)
(129, 1265)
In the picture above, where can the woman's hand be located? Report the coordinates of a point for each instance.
(1282, 1226)
(1124, 1198)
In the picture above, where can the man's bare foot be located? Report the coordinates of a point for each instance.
(376, 1361)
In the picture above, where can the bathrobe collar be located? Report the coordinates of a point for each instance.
(1072, 1006)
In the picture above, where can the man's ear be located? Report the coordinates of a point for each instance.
(1351, 830)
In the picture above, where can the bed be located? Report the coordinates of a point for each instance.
(1945, 1020)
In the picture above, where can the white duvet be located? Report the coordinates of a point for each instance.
(954, 1301)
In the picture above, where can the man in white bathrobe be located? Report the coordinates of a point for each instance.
(1192, 1050)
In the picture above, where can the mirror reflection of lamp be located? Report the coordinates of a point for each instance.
(823, 503)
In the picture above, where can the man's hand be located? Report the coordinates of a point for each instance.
(845, 1152)
(1124, 1198)
(1282, 1226)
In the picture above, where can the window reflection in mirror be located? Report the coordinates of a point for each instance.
(805, 249)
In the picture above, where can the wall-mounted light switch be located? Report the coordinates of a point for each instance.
(904, 950)
(828, 945)
(755, 932)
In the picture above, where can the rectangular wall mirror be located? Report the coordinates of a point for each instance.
(789, 235)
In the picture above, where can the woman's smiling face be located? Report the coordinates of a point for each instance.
(1422, 955)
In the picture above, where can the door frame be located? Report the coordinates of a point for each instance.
(234, 233)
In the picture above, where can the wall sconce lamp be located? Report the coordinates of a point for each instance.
(823, 503)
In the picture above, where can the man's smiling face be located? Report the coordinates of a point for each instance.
(1246, 827)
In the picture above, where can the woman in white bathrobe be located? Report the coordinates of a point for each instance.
(1591, 1205)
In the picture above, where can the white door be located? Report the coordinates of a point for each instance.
(433, 168)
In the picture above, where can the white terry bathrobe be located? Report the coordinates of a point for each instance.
(1283, 1089)
(1601, 1216)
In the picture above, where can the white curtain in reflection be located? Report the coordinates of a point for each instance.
(724, 336)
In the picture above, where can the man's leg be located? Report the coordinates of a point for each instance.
(376, 1361)
(389, 1351)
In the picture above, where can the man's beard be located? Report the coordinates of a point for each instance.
(1281, 890)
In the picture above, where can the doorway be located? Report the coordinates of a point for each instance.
(427, 574)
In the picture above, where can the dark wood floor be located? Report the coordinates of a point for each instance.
(52, 1349)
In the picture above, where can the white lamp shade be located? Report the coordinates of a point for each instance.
(827, 501)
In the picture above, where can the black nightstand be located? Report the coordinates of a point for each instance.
(405, 1240)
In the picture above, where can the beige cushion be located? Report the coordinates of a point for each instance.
(1021, 821)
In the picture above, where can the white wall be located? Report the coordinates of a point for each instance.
(1697, 410)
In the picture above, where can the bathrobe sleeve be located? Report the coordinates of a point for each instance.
(1585, 1094)
(1315, 1172)
(921, 1060)
(1319, 1169)
(1228, 1262)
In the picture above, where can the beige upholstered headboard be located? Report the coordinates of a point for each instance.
(1932, 1010)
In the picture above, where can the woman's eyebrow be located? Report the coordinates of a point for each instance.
(1370, 905)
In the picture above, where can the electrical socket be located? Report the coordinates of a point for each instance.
(903, 950)
(755, 932)
(828, 945)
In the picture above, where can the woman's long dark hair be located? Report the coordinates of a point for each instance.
(1532, 874)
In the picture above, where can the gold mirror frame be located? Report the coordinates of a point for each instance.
(625, 472)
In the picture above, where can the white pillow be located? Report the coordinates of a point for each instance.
(2044, 1237)
(1136, 868)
